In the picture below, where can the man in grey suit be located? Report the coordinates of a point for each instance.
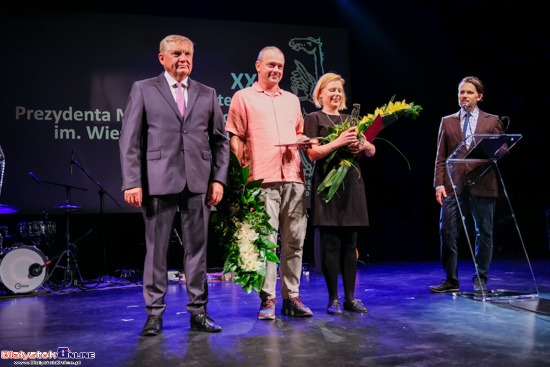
(174, 156)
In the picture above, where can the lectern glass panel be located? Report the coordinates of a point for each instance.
(478, 185)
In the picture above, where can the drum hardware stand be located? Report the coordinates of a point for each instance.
(72, 276)
(101, 193)
(71, 268)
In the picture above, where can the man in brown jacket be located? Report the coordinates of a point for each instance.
(477, 201)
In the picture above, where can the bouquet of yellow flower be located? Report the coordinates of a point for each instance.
(341, 160)
(244, 226)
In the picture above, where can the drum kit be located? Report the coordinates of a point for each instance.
(24, 268)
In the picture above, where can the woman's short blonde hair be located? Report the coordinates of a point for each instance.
(322, 83)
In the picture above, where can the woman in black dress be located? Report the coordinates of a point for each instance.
(338, 220)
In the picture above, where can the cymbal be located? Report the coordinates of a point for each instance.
(68, 207)
(7, 209)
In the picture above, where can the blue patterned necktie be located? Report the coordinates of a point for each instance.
(466, 123)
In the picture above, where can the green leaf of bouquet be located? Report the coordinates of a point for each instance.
(229, 266)
(215, 218)
(259, 284)
(262, 272)
(267, 243)
(253, 194)
(333, 134)
(254, 184)
(270, 256)
(244, 173)
(233, 160)
(338, 178)
(327, 181)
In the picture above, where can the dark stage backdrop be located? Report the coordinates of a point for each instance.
(68, 75)
(414, 49)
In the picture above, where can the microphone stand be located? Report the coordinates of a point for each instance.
(101, 193)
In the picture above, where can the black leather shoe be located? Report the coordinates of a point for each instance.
(478, 287)
(153, 326)
(445, 287)
(203, 322)
(355, 306)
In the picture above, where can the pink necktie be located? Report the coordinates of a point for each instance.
(180, 100)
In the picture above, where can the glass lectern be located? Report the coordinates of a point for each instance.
(473, 170)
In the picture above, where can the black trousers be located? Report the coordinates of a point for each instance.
(478, 210)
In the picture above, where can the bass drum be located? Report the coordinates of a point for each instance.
(16, 264)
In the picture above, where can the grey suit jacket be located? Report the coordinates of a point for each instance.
(162, 152)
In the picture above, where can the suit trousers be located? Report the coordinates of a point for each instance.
(158, 213)
(284, 202)
(479, 215)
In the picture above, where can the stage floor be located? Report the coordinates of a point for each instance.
(407, 325)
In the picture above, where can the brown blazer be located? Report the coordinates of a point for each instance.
(449, 138)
